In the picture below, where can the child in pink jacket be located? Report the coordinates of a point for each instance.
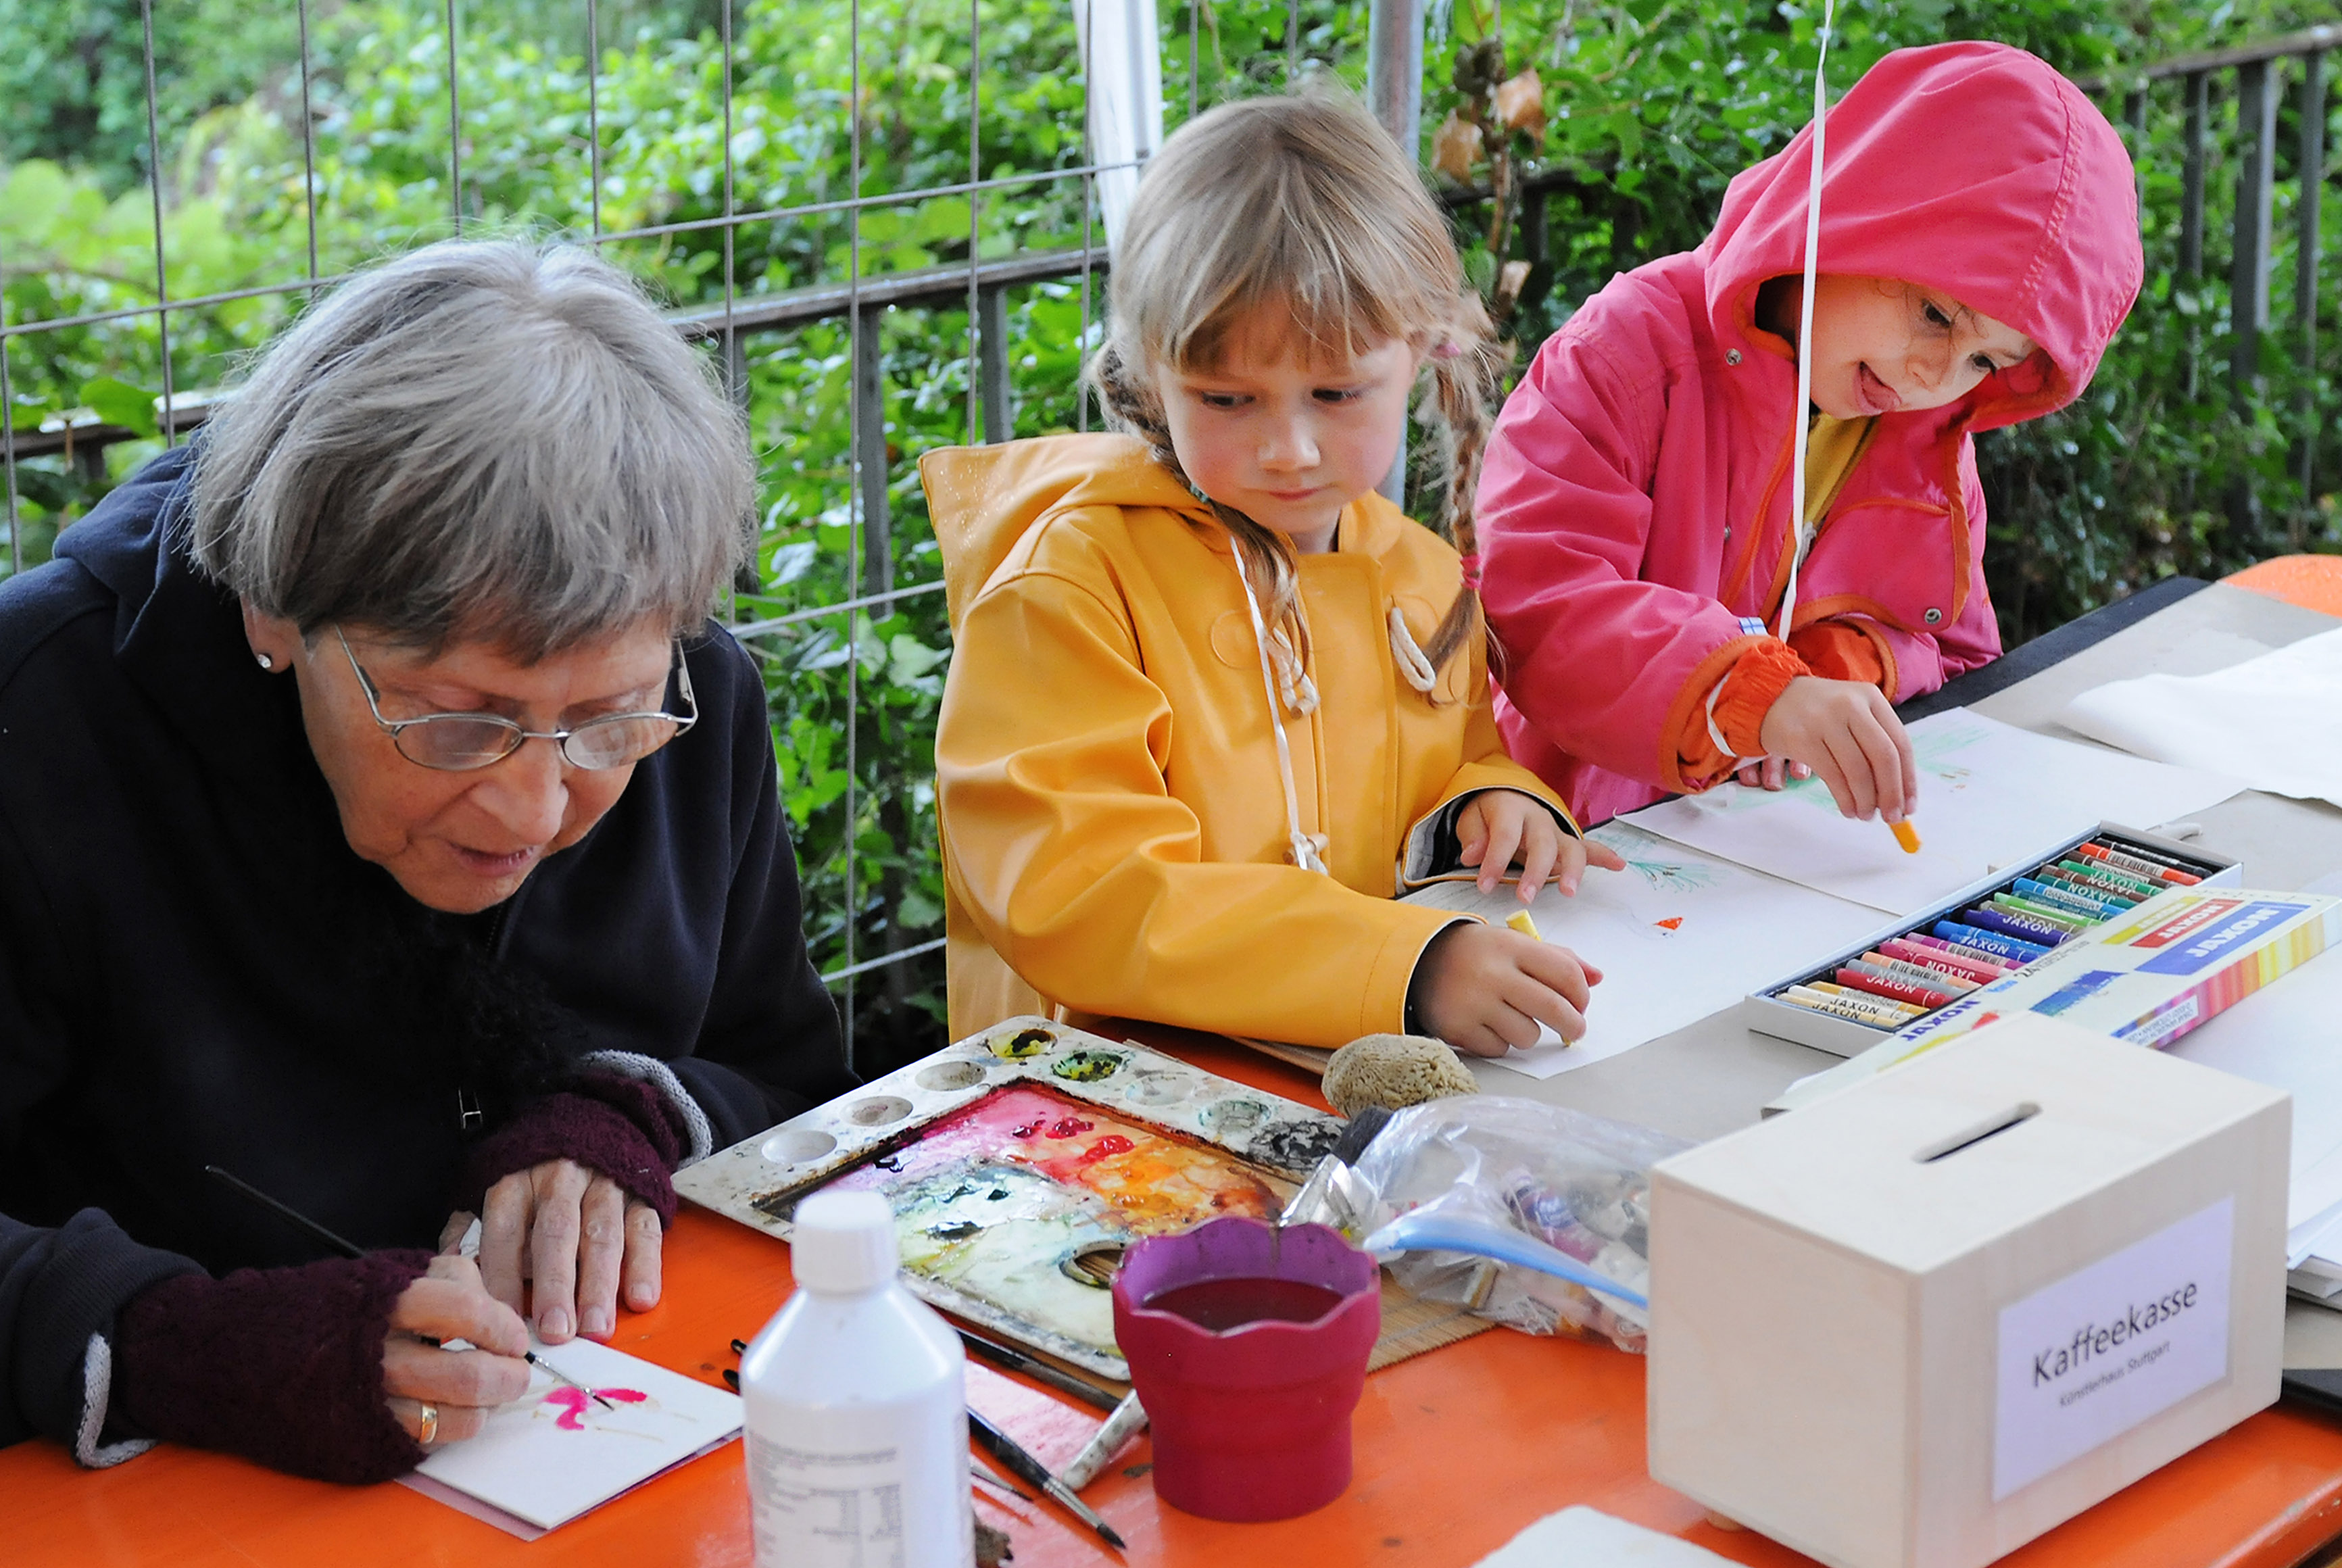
(1979, 246)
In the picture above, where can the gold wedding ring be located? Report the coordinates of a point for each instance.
(428, 1432)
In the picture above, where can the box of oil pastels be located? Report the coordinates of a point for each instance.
(1907, 972)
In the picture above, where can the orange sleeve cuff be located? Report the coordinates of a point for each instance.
(1748, 693)
(1840, 651)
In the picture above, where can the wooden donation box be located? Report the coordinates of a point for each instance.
(1919, 1322)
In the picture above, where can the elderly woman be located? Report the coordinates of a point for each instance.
(383, 820)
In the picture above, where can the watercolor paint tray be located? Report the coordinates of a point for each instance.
(1764, 1011)
(1020, 1162)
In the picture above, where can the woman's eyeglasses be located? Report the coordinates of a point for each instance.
(456, 743)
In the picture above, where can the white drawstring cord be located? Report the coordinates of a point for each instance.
(1806, 332)
(1302, 850)
(1414, 664)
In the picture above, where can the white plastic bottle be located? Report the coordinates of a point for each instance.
(856, 1395)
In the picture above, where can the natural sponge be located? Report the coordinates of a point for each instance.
(1393, 1071)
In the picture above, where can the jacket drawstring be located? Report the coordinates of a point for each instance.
(1413, 663)
(1303, 850)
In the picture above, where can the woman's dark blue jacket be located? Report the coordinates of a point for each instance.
(195, 969)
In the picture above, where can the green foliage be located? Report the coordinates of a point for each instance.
(1649, 108)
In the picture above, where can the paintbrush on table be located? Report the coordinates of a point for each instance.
(1033, 1472)
(350, 1249)
(1039, 1371)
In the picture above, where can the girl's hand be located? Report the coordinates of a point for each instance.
(578, 1237)
(1772, 773)
(1499, 827)
(1485, 989)
(461, 1387)
(1845, 732)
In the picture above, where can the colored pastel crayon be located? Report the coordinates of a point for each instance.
(1886, 1014)
(2099, 874)
(1920, 974)
(1836, 1007)
(2006, 944)
(2055, 897)
(1942, 961)
(2164, 859)
(2025, 928)
(2091, 887)
(2140, 863)
(1894, 988)
(2001, 961)
(2065, 919)
(1900, 1012)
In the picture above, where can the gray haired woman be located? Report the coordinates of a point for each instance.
(383, 821)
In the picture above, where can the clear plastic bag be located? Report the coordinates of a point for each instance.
(1577, 1182)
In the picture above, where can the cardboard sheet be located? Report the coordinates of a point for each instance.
(1990, 797)
(2275, 721)
(1678, 935)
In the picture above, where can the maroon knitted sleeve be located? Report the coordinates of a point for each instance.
(621, 1127)
(280, 1366)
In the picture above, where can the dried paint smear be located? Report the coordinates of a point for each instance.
(1002, 1199)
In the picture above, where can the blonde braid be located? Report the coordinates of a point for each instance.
(1267, 553)
(1465, 373)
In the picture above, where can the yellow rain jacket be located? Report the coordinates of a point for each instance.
(1113, 825)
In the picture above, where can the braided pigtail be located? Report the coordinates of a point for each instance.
(1466, 372)
(1268, 554)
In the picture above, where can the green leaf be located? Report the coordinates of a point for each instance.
(119, 403)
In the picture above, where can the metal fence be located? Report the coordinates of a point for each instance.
(2253, 76)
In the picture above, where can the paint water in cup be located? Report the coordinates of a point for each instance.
(1247, 1344)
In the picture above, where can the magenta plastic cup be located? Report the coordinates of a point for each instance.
(1250, 1422)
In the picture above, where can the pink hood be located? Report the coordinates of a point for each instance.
(1634, 505)
(1973, 168)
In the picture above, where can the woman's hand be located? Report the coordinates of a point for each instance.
(1499, 827)
(576, 1236)
(1485, 989)
(1848, 734)
(462, 1387)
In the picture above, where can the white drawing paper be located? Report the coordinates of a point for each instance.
(1678, 935)
(1990, 797)
(2282, 1035)
(2275, 721)
(553, 1453)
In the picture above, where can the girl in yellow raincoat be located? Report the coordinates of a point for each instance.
(1215, 701)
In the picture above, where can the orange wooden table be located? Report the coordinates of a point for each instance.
(1456, 1450)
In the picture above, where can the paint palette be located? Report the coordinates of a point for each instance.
(1021, 1161)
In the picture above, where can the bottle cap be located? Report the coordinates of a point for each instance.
(844, 1242)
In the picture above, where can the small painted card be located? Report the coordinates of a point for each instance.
(554, 1453)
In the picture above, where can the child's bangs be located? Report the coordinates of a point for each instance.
(1331, 283)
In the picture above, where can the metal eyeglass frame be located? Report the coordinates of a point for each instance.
(677, 665)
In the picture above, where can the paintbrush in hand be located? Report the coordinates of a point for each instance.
(350, 1249)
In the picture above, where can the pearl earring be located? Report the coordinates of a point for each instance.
(265, 661)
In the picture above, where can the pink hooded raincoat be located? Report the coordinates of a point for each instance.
(1634, 504)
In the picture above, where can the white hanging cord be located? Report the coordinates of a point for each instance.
(1414, 664)
(1805, 329)
(1302, 850)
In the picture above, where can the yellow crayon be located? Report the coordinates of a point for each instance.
(1518, 920)
(1907, 835)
